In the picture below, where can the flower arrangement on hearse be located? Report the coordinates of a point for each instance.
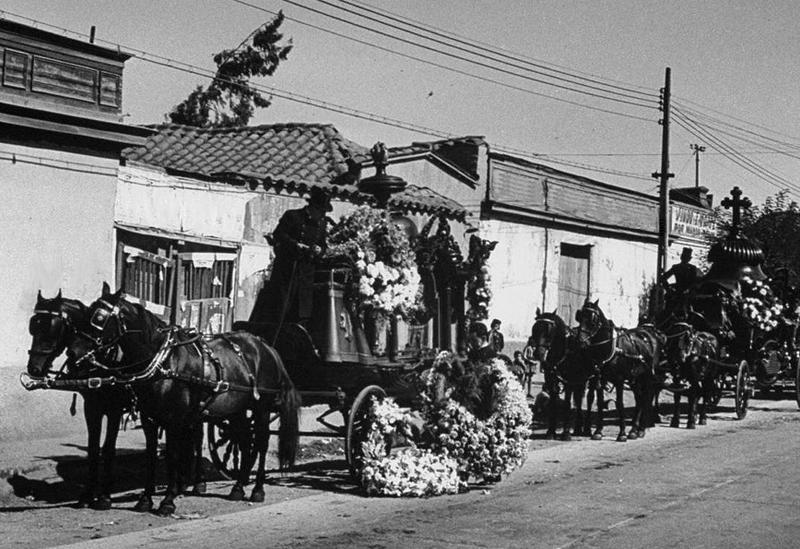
(386, 281)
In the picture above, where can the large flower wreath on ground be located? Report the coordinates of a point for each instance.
(386, 279)
(476, 424)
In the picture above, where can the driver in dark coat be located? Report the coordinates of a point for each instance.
(299, 241)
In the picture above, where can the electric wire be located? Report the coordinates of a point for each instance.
(468, 60)
(739, 154)
(424, 33)
(731, 154)
(298, 98)
(446, 67)
(545, 65)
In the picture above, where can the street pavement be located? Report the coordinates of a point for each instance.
(728, 484)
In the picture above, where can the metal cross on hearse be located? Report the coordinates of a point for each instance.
(736, 204)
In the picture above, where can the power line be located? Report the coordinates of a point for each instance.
(698, 105)
(506, 59)
(462, 58)
(731, 154)
(707, 129)
(310, 101)
(445, 67)
(546, 65)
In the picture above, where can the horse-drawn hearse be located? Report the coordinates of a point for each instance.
(242, 381)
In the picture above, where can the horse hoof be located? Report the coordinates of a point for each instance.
(633, 435)
(566, 436)
(257, 496)
(166, 509)
(199, 489)
(622, 438)
(675, 423)
(102, 503)
(597, 436)
(642, 432)
(690, 426)
(702, 421)
(550, 436)
(144, 505)
(237, 494)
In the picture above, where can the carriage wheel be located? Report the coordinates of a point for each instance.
(742, 394)
(357, 427)
(226, 455)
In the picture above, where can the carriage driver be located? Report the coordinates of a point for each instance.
(684, 273)
(300, 241)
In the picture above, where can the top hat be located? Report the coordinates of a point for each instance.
(686, 253)
(319, 197)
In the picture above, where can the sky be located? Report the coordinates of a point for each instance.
(735, 69)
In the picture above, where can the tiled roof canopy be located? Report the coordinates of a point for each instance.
(286, 157)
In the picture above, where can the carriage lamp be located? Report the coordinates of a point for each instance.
(381, 185)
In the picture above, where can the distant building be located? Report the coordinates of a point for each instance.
(60, 115)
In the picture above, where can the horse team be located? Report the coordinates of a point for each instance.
(596, 354)
(120, 356)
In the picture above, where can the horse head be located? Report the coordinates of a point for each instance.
(680, 342)
(113, 323)
(548, 331)
(54, 326)
(590, 320)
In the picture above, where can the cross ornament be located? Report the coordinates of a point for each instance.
(736, 204)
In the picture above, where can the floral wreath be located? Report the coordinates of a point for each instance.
(759, 304)
(455, 444)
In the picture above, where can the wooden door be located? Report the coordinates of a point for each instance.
(573, 280)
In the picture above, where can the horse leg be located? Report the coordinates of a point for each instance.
(198, 479)
(176, 441)
(676, 411)
(587, 422)
(145, 503)
(113, 418)
(260, 444)
(552, 409)
(93, 417)
(601, 406)
(577, 400)
(620, 404)
(240, 428)
(705, 390)
(566, 433)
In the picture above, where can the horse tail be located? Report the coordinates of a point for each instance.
(289, 409)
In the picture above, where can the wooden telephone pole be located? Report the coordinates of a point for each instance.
(663, 193)
(697, 150)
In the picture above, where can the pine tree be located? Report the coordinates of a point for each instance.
(230, 100)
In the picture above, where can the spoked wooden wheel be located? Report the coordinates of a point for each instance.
(357, 427)
(742, 390)
(226, 454)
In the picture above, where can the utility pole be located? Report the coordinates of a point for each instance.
(663, 193)
(697, 150)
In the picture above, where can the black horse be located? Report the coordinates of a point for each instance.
(690, 354)
(556, 349)
(181, 378)
(55, 324)
(621, 356)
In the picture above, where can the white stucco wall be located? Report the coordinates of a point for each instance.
(57, 227)
(620, 272)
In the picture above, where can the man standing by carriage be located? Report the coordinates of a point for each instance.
(300, 240)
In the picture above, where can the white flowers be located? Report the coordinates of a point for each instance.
(387, 289)
(760, 305)
(459, 445)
